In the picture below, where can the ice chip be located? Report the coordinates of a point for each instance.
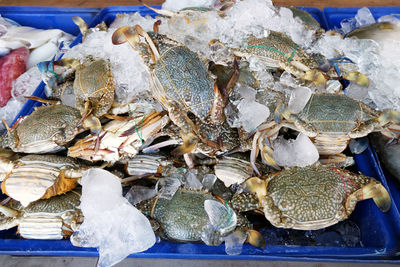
(288, 80)
(208, 181)
(222, 217)
(211, 236)
(191, 180)
(251, 114)
(139, 193)
(111, 223)
(167, 187)
(298, 99)
(300, 152)
(234, 242)
(364, 17)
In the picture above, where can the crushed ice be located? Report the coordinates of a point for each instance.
(111, 223)
(299, 152)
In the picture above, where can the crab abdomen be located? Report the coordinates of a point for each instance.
(331, 144)
(38, 176)
(183, 78)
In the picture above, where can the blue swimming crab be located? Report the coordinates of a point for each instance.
(309, 198)
(34, 177)
(47, 129)
(331, 120)
(180, 81)
(54, 218)
(278, 51)
(93, 87)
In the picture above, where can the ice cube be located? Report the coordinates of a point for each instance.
(234, 243)
(208, 181)
(300, 152)
(350, 233)
(288, 80)
(298, 99)
(364, 17)
(222, 217)
(139, 193)
(111, 223)
(347, 25)
(211, 236)
(251, 114)
(191, 180)
(167, 187)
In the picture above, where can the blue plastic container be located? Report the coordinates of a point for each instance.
(380, 233)
(334, 15)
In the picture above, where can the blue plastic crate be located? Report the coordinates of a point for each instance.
(380, 233)
(334, 15)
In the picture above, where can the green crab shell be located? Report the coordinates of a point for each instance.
(276, 49)
(183, 217)
(94, 82)
(182, 77)
(331, 113)
(46, 130)
(310, 198)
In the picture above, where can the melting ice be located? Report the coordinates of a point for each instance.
(111, 223)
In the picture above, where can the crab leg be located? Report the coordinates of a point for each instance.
(83, 27)
(373, 190)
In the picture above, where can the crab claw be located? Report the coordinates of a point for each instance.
(83, 27)
(315, 76)
(357, 77)
(189, 143)
(92, 123)
(257, 186)
(161, 11)
(381, 198)
(156, 26)
(267, 156)
(126, 34)
(378, 193)
(255, 238)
